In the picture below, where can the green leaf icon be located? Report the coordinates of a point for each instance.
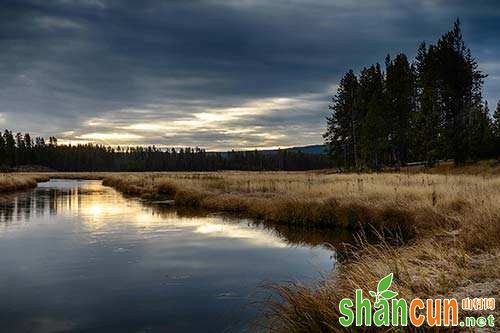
(372, 293)
(385, 283)
(388, 294)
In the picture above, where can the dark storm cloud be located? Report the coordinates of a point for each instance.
(219, 74)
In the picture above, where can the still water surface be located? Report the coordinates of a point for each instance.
(76, 256)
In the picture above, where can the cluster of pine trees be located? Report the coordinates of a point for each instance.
(20, 150)
(426, 110)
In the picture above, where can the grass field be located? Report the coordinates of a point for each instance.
(438, 233)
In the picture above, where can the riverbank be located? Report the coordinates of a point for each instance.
(11, 183)
(436, 232)
(406, 204)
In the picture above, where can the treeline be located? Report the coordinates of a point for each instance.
(426, 110)
(20, 150)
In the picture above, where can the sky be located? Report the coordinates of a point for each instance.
(210, 73)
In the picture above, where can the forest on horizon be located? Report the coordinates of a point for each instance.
(21, 150)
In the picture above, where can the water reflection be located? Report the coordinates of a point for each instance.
(81, 257)
(96, 204)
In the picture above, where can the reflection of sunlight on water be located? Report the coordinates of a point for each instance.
(67, 239)
(253, 235)
(103, 211)
(94, 210)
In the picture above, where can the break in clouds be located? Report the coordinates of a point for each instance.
(217, 74)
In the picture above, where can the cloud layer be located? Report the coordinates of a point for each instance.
(217, 74)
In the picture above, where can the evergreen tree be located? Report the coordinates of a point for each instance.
(427, 121)
(400, 95)
(496, 131)
(459, 86)
(374, 131)
(10, 148)
(21, 150)
(342, 124)
(481, 135)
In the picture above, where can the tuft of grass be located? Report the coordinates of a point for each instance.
(420, 270)
(11, 182)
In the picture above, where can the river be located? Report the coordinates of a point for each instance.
(76, 256)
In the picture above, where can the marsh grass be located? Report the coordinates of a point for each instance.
(11, 183)
(410, 205)
(431, 230)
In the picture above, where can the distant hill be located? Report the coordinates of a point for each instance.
(313, 149)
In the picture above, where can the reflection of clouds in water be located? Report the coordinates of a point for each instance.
(254, 235)
(98, 210)
(103, 210)
(83, 251)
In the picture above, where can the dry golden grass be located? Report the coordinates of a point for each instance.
(10, 182)
(485, 167)
(413, 204)
(421, 270)
(432, 229)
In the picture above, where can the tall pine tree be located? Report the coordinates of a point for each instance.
(427, 121)
(400, 96)
(480, 133)
(343, 123)
(496, 131)
(374, 129)
(459, 88)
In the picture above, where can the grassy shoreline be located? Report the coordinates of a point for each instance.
(281, 198)
(437, 232)
(434, 230)
(12, 183)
